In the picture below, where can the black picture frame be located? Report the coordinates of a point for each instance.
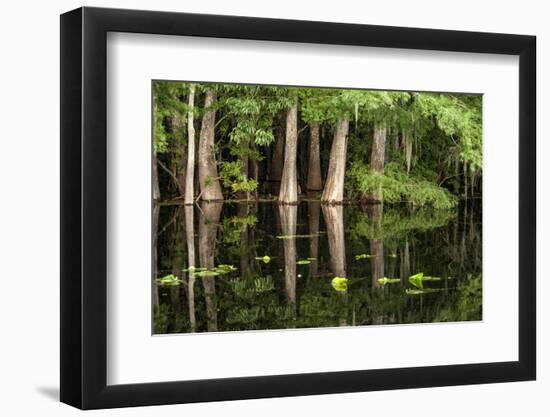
(84, 207)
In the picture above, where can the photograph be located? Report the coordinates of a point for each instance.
(290, 207)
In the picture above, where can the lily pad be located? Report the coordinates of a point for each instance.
(170, 279)
(431, 279)
(297, 236)
(412, 291)
(340, 284)
(206, 273)
(364, 256)
(194, 269)
(265, 259)
(416, 280)
(303, 262)
(224, 269)
(409, 291)
(384, 280)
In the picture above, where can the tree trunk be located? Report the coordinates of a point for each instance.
(209, 182)
(334, 220)
(334, 186)
(289, 181)
(156, 188)
(210, 217)
(181, 167)
(313, 211)
(377, 158)
(288, 215)
(405, 270)
(314, 181)
(156, 214)
(190, 171)
(407, 140)
(243, 210)
(190, 241)
(375, 213)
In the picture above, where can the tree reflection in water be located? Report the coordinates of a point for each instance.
(269, 266)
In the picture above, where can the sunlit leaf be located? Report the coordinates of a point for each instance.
(384, 280)
(340, 284)
(416, 280)
(170, 279)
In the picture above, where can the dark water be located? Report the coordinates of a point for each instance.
(279, 264)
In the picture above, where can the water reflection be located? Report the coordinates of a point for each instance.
(288, 217)
(209, 218)
(270, 266)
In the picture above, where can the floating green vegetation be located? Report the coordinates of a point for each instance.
(412, 291)
(385, 280)
(416, 280)
(425, 278)
(224, 268)
(169, 280)
(364, 256)
(303, 262)
(194, 269)
(409, 291)
(340, 284)
(299, 236)
(265, 259)
(208, 273)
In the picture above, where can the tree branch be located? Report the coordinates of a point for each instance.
(165, 168)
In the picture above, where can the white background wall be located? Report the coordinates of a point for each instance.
(29, 225)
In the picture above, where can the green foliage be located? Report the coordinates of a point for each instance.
(396, 224)
(433, 134)
(232, 227)
(469, 304)
(470, 298)
(398, 187)
(232, 177)
(458, 117)
(253, 109)
(168, 104)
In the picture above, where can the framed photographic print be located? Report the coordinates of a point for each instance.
(256, 208)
